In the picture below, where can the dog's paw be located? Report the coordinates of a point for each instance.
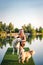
(22, 62)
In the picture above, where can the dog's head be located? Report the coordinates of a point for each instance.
(32, 52)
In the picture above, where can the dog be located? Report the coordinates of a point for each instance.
(25, 55)
(16, 44)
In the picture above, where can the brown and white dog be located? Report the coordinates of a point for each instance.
(25, 55)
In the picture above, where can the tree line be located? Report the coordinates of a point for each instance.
(8, 28)
(27, 28)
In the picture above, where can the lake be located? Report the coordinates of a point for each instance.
(33, 43)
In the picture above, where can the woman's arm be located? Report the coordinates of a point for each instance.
(24, 38)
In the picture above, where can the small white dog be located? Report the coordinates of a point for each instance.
(16, 44)
(25, 55)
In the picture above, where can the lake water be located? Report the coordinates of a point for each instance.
(36, 45)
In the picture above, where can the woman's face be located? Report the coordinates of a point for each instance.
(21, 32)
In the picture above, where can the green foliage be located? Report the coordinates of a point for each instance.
(24, 28)
(4, 27)
(30, 38)
(1, 29)
(10, 27)
(27, 28)
(37, 30)
(33, 32)
(40, 29)
(16, 30)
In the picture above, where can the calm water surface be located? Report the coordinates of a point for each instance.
(36, 45)
(3, 51)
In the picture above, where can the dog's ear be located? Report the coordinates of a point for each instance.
(31, 52)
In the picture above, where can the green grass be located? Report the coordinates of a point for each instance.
(10, 59)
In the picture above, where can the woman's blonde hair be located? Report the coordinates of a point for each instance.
(21, 31)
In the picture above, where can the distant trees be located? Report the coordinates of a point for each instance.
(31, 30)
(40, 30)
(24, 28)
(4, 27)
(16, 30)
(27, 28)
(1, 29)
(37, 30)
(10, 27)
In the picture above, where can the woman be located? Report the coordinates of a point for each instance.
(23, 37)
(22, 43)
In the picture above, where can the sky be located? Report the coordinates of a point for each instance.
(21, 12)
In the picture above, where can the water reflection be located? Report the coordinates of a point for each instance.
(4, 41)
(33, 42)
(40, 37)
(30, 38)
(3, 51)
(37, 45)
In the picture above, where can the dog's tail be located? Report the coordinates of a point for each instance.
(32, 52)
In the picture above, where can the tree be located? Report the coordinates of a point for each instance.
(33, 32)
(24, 28)
(40, 29)
(4, 26)
(29, 28)
(10, 27)
(37, 30)
(1, 29)
(16, 30)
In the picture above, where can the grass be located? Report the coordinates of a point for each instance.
(10, 59)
